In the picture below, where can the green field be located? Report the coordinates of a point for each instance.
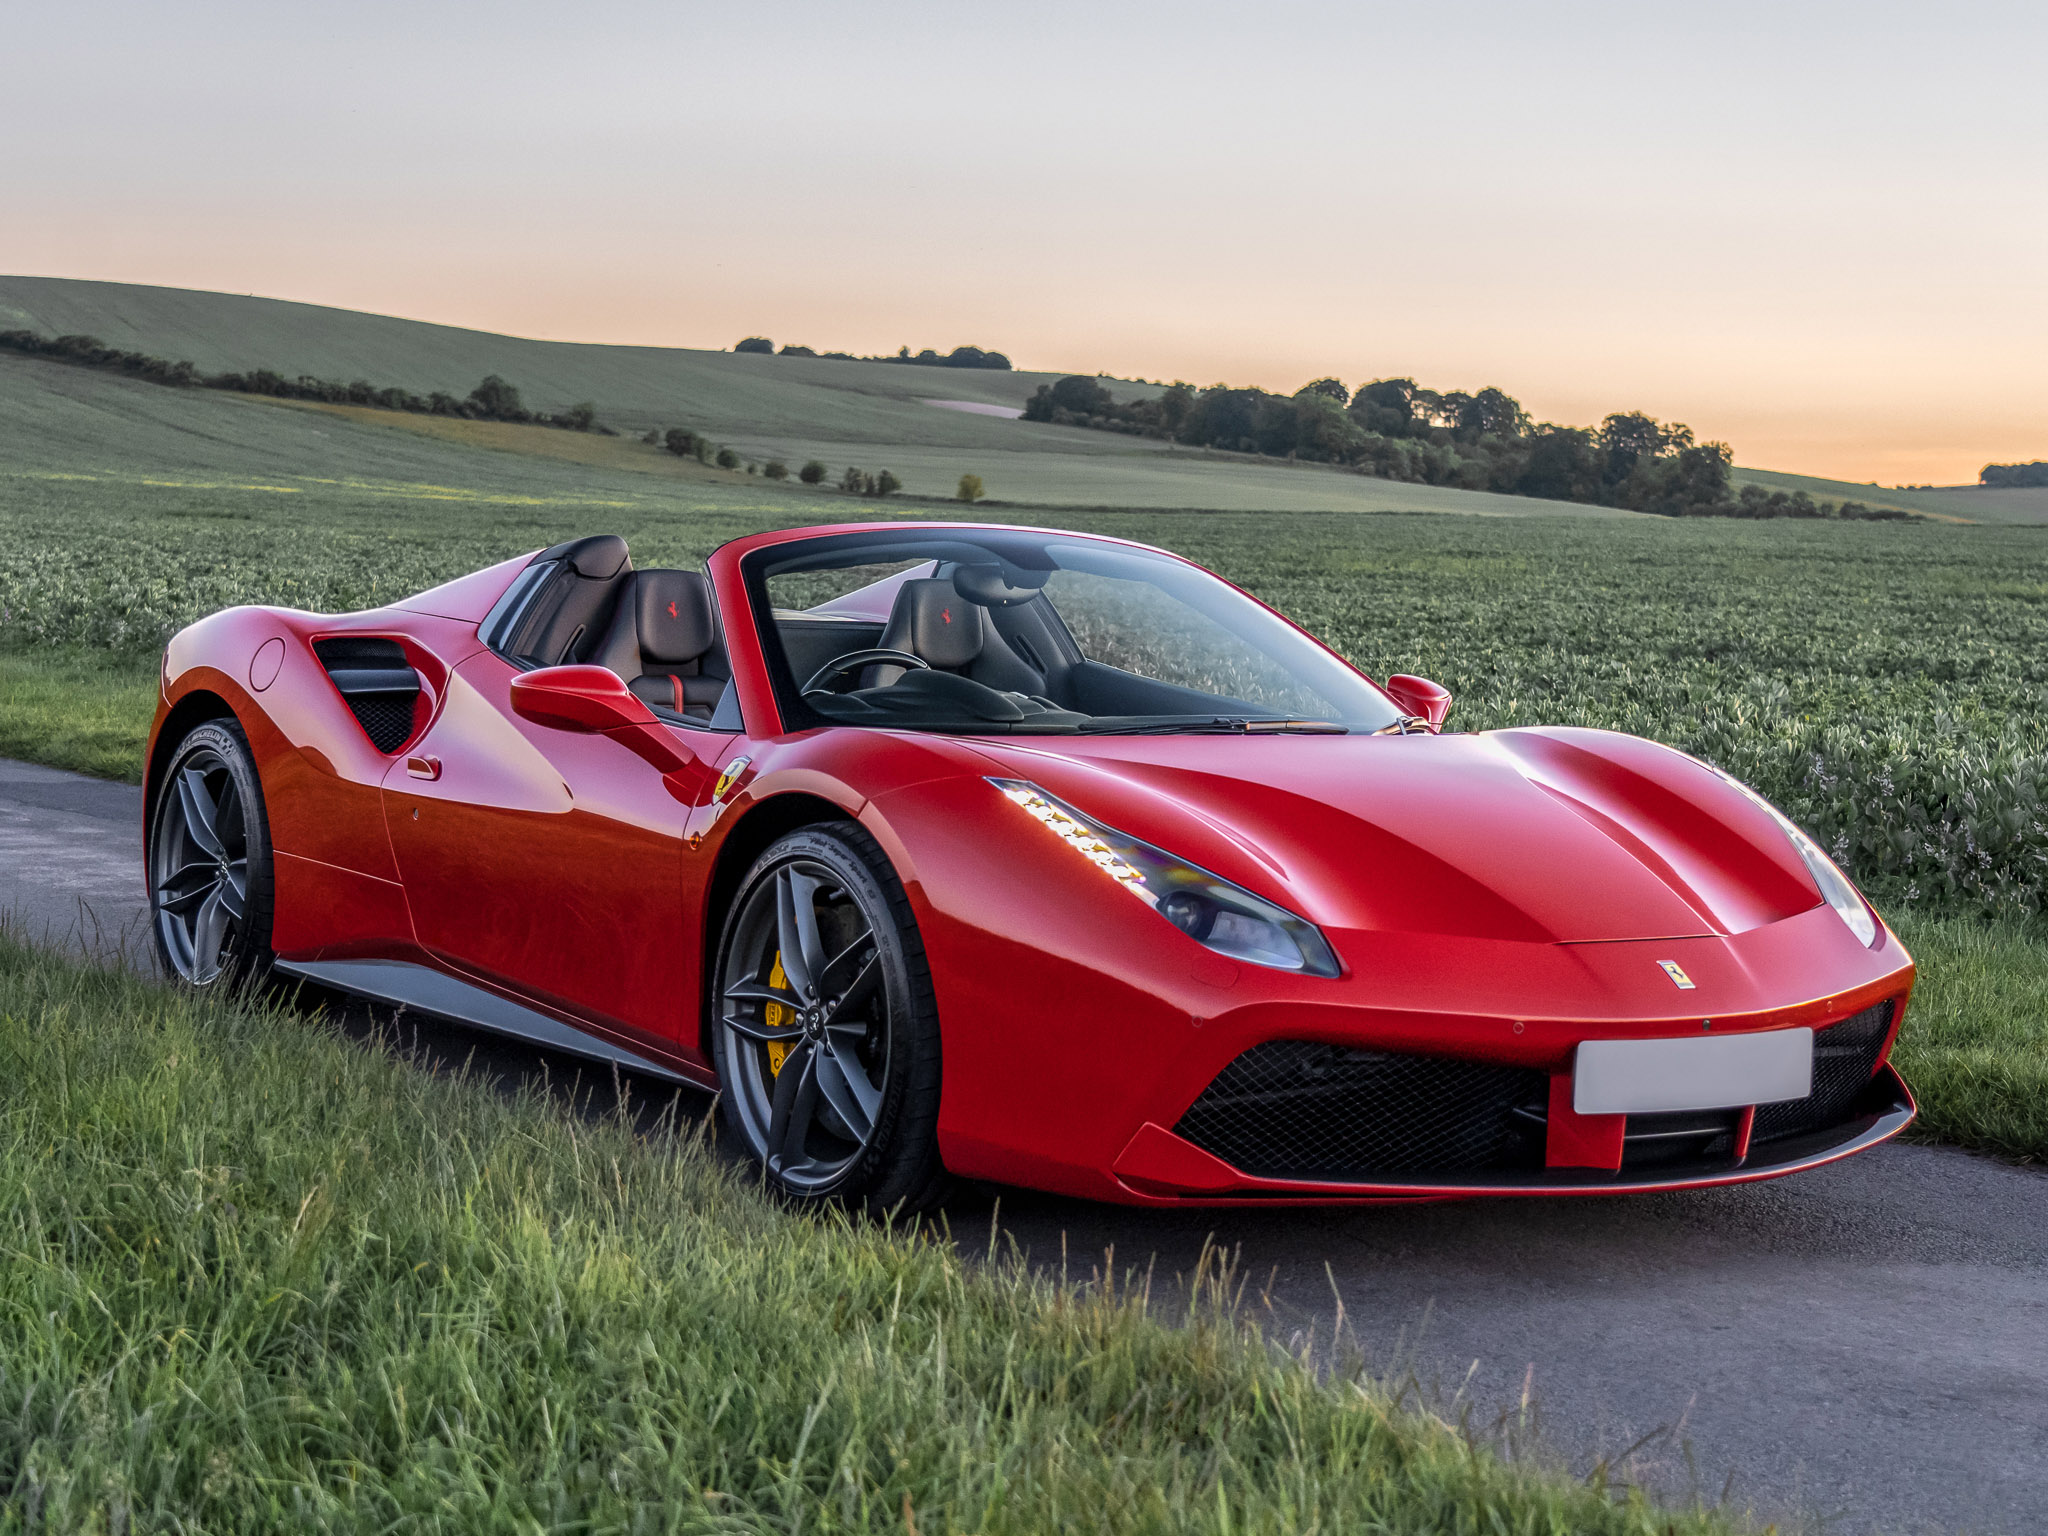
(1959, 503)
(792, 408)
(874, 415)
(347, 1293)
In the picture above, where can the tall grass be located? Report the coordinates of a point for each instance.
(253, 1277)
(1975, 1045)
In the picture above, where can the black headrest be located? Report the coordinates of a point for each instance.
(598, 558)
(993, 586)
(932, 620)
(673, 612)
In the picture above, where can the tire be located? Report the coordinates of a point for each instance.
(211, 888)
(829, 1069)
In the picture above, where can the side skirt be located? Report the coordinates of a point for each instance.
(430, 991)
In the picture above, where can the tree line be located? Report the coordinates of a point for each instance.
(2015, 476)
(491, 400)
(687, 444)
(1398, 430)
(959, 357)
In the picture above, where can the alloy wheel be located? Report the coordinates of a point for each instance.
(199, 867)
(804, 1005)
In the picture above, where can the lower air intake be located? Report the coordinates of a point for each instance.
(1844, 1061)
(1299, 1109)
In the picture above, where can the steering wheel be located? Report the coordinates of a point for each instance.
(853, 659)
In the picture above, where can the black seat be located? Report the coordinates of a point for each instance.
(564, 619)
(663, 642)
(932, 621)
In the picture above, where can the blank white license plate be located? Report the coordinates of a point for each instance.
(1645, 1077)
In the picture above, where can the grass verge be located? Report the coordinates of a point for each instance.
(1975, 1045)
(253, 1277)
(71, 707)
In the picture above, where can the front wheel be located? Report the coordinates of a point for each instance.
(826, 1034)
(209, 861)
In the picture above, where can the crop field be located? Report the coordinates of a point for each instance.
(1887, 684)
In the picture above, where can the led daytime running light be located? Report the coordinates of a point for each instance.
(1207, 908)
(1077, 835)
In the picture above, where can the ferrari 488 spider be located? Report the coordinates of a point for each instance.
(1021, 856)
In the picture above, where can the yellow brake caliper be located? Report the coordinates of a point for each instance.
(773, 1014)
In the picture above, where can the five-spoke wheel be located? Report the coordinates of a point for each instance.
(826, 1037)
(209, 859)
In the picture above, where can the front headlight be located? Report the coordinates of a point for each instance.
(1207, 908)
(1834, 885)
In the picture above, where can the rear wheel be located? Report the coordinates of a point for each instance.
(826, 1038)
(209, 861)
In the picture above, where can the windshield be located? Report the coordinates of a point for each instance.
(990, 630)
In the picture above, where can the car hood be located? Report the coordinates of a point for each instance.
(1549, 835)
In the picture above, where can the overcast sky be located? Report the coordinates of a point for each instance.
(1817, 231)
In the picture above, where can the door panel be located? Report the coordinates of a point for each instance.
(549, 861)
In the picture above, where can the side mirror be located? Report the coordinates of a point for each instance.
(596, 699)
(578, 699)
(1419, 696)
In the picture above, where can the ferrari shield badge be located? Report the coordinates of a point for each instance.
(1677, 974)
(729, 777)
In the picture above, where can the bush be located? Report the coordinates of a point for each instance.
(494, 400)
(775, 469)
(970, 489)
(727, 459)
(756, 344)
(793, 350)
(680, 442)
(812, 473)
(885, 484)
(853, 481)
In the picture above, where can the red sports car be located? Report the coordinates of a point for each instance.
(1021, 856)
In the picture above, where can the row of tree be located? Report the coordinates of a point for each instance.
(1396, 429)
(859, 482)
(491, 400)
(959, 357)
(2012, 476)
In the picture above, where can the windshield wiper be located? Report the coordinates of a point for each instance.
(1220, 725)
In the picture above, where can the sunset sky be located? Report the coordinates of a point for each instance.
(1818, 232)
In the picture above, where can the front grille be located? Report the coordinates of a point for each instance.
(1299, 1109)
(1844, 1061)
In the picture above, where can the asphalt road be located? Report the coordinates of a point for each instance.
(1862, 1348)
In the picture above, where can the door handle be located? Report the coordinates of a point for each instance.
(428, 767)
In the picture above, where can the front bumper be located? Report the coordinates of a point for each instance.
(1160, 1167)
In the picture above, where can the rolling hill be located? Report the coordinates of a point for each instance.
(876, 415)
(919, 422)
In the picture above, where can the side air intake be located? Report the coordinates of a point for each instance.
(380, 686)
